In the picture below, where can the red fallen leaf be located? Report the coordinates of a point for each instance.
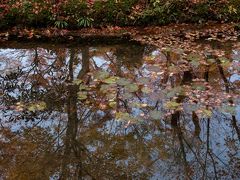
(30, 35)
(63, 32)
(116, 28)
(47, 33)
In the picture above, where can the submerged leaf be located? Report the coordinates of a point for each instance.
(153, 68)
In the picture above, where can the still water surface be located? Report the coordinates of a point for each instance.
(123, 111)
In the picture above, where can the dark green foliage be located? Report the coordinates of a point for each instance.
(81, 13)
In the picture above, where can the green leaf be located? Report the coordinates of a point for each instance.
(195, 63)
(82, 95)
(105, 88)
(127, 95)
(146, 90)
(111, 95)
(123, 81)
(102, 75)
(112, 104)
(211, 60)
(223, 59)
(172, 105)
(77, 81)
(38, 106)
(131, 87)
(207, 112)
(111, 80)
(228, 109)
(172, 92)
(226, 64)
(143, 80)
(32, 108)
(193, 57)
(199, 87)
(135, 105)
(123, 116)
(83, 87)
(155, 114)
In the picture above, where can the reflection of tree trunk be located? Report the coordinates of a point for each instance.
(72, 124)
(175, 122)
(85, 62)
(130, 56)
(176, 125)
(221, 71)
(206, 73)
(71, 131)
(187, 77)
(234, 123)
(226, 83)
(195, 120)
(209, 152)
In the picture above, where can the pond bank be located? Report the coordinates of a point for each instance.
(157, 35)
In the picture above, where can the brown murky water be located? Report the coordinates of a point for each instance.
(120, 111)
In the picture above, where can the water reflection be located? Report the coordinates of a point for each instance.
(118, 112)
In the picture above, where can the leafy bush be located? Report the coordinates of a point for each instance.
(82, 13)
(85, 22)
(61, 24)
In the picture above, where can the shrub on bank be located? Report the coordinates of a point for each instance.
(82, 13)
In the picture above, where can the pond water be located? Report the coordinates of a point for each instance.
(123, 111)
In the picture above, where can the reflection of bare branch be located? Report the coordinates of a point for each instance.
(227, 86)
(208, 152)
(221, 71)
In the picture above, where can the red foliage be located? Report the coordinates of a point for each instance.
(4, 8)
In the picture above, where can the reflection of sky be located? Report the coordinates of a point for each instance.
(11, 59)
(238, 113)
(235, 77)
(100, 61)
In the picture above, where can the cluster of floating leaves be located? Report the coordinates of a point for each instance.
(140, 98)
(32, 107)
